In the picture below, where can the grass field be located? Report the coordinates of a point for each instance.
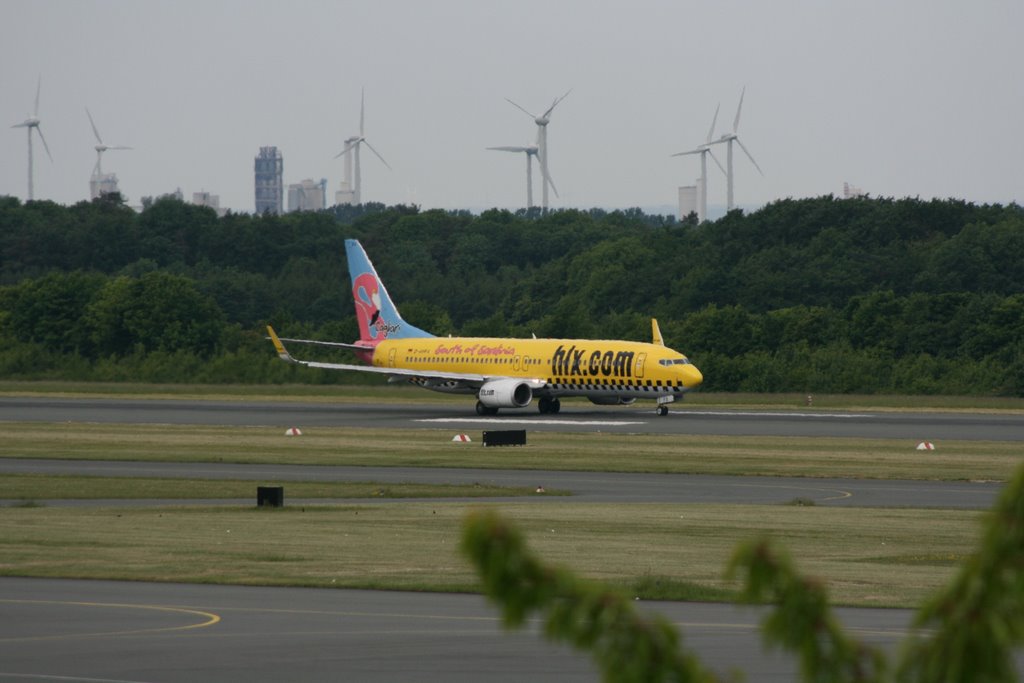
(760, 456)
(878, 557)
(866, 556)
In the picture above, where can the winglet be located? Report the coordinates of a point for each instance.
(656, 332)
(281, 351)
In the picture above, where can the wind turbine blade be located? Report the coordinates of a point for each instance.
(718, 163)
(120, 147)
(348, 148)
(711, 131)
(736, 122)
(749, 156)
(555, 104)
(510, 149)
(39, 84)
(520, 108)
(45, 146)
(547, 176)
(362, 110)
(692, 151)
(93, 124)
(367, 142)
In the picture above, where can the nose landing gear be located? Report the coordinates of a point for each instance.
(663, 402)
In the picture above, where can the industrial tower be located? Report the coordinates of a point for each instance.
(269, 183)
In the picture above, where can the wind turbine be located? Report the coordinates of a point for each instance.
(704, 150)
(542, 141)
(100, 148)
(531, 152)
(352, 145)
(32, 123)
(729, 138)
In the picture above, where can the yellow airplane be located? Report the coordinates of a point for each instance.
(502, 373)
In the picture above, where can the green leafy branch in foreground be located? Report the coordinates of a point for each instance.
(978, 619)
(968, 632)
(627, 645)
(802, 621)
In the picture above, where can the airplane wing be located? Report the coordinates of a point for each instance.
(317, 342)
(470, 379)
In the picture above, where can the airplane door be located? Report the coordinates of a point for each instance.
(391, 358)
(640, 358)
(515, 363)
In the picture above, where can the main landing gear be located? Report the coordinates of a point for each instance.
(548, 406)
(481, 409)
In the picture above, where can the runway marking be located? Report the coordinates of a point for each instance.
(211, 619)
(74, 679)
(733, 413)
(529, 421)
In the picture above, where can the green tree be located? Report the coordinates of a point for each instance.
(967, 633)
(50, 310)
(156, 312)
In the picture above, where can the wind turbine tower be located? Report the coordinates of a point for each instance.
(351, 149)
(542, 142)
(100, 182)
(32, 123)
(729, 138)
(531, 151)
(704, 150)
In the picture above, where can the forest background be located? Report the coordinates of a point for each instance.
(864, 295)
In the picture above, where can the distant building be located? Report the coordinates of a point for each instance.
(849, 191)
(308, 195)
(269, 169)
(204, 198)
(345, 194)
(687, 201)
(101, 184)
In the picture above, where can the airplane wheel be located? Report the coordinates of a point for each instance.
(556, 405)
(663, 410)
(481, 409)
(544, 405)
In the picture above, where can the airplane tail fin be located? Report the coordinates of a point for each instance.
(378, 318)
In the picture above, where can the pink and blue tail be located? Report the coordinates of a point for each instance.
(378, 318)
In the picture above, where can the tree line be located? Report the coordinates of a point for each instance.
(821, 294)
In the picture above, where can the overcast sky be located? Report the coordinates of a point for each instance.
(900, 98)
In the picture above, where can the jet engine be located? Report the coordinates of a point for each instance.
(506, 393)
(612, 400)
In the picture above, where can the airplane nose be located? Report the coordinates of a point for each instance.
(691, 376)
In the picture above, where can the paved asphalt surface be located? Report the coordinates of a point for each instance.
(61, 630)
(575, 417)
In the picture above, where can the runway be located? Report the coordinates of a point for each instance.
(67, 630)
(575, 417)
(81, 631)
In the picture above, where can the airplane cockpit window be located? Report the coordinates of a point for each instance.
(674, 361)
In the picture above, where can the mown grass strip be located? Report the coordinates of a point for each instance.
(722, 455)
(67, 487)
(871, 557)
